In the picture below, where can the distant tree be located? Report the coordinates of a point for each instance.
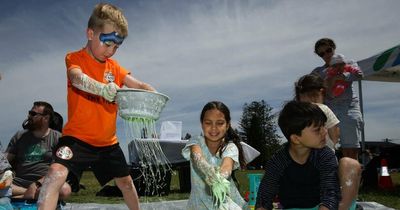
(259, 130)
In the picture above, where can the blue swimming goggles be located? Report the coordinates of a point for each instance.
(111, 38)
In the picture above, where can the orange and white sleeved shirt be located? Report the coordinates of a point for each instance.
(91, 118)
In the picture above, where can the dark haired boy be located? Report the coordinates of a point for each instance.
(303, 174)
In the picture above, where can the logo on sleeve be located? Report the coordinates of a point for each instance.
(109, 77)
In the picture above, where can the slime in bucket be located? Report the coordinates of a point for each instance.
(136, 103)
(139, 110)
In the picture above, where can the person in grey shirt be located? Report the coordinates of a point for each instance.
(346, 106)
(30, 152)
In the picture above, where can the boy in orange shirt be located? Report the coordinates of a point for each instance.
(89, 136)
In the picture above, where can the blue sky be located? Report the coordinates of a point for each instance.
(196, 51)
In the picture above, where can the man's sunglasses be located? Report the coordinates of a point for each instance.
(321, 54)
(33, 113)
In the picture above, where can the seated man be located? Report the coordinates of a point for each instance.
(30, 152)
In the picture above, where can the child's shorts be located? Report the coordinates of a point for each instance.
(351, 123)
(106, 162)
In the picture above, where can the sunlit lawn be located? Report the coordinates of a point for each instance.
(88, 195)
(387, 198)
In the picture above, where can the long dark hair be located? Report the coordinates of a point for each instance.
(230, 135)
(309, 84)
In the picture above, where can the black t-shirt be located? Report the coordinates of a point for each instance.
(306, 179)
(315, 182)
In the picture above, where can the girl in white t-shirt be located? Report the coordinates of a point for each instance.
(311, 88)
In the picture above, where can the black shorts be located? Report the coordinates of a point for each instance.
(106, 162)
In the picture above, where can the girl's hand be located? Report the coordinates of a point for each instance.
(219, 189)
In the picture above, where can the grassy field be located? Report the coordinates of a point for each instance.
(387, 198)
(92, 187)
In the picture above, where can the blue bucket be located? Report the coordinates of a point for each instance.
(24, 205)
(254, 182)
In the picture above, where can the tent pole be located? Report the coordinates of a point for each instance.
(363, 124)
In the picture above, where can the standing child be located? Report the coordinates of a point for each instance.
(89, 136)
(213, 157)
(303, 174)
(311, 88)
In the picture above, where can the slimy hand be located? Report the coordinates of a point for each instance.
(219, 189)
(109, 91)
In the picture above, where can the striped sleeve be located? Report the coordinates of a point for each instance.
(269, 185)
(329, 181)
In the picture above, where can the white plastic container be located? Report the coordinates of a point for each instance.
(137, 103)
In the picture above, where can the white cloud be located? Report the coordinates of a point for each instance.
(196, 51)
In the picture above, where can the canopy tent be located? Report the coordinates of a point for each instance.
(384, 67)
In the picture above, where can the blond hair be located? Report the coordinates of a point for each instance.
(105, 13)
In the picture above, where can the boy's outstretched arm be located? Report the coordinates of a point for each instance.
(85, 83)
(132, 82)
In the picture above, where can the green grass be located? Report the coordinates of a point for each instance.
(384, 197)
(92, 187)
(88, 195)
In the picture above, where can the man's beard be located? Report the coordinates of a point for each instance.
(30, 125)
